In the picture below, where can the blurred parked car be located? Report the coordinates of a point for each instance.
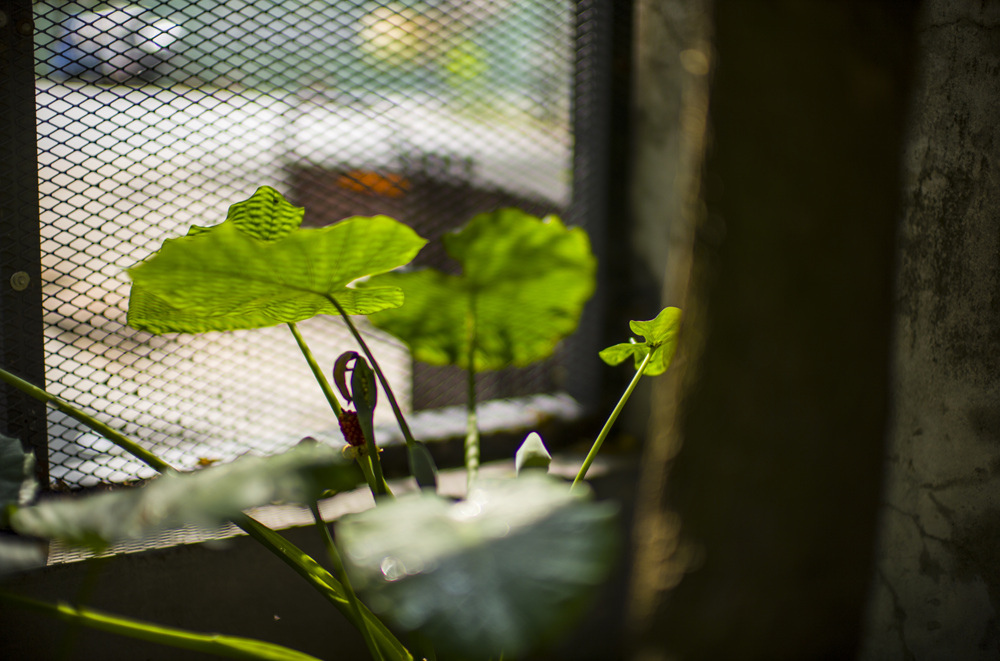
(116, 44)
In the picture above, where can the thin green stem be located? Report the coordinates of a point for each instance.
(228, 646)
(104, 430)
(338, 566)
(298, 560)
(471, 435)
(376, 483)
(95, 568)
(611, 421)
(471, 422)
(381, 487)
(324, 582)
(398, 412)
(318, 373)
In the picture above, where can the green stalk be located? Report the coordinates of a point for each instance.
(378, 484)
(83, 595)
(301, 562)
(234, 647)
(107, 432)
(338, 566)
(321, 379)
(471, 422)
(324, 582)
(611, 421)
(374, 484)
(405, 428)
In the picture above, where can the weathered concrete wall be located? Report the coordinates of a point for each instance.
(936, 593)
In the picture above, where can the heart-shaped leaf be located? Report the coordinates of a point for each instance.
(660, 335)
(207, 497)
(495, 574)
(259, 268)
(522, 289)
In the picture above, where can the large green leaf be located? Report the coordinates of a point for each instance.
(207, 497)
(259, 268)
(497, 573)
(523, 285)
(660, 338)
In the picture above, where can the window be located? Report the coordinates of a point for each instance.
(153, 116)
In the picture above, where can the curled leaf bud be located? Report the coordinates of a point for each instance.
(341, 367)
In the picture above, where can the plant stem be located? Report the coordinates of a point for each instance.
(611, 421)
(83, 595)
(104, 430)
(405, 428)
(324, 582)
(471, 423)
(376, 483)
(229, 646)
(373, 483)
(338, 566)
(321, 379)
(298, 560)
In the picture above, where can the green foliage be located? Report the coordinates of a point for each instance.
(259, 268)
(660, 338)
(208, 497)
(497, 573)
(523, 285)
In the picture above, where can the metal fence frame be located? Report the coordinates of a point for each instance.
(599, 43)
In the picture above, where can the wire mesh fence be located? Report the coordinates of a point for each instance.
(155, 116)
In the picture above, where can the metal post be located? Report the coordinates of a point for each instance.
(21, 347)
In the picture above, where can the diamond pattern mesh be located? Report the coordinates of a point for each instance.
(152, 117)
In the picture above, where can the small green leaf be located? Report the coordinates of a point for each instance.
(661, 330)
(619, 353)
(523, 286)
(207, 497)
(258, 268)
(660, 335)
(532, 454)
(497, 573)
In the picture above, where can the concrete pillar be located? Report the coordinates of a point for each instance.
(936, 592)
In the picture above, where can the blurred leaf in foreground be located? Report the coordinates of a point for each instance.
(496, 574)
(208, 497)
(17, 479)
